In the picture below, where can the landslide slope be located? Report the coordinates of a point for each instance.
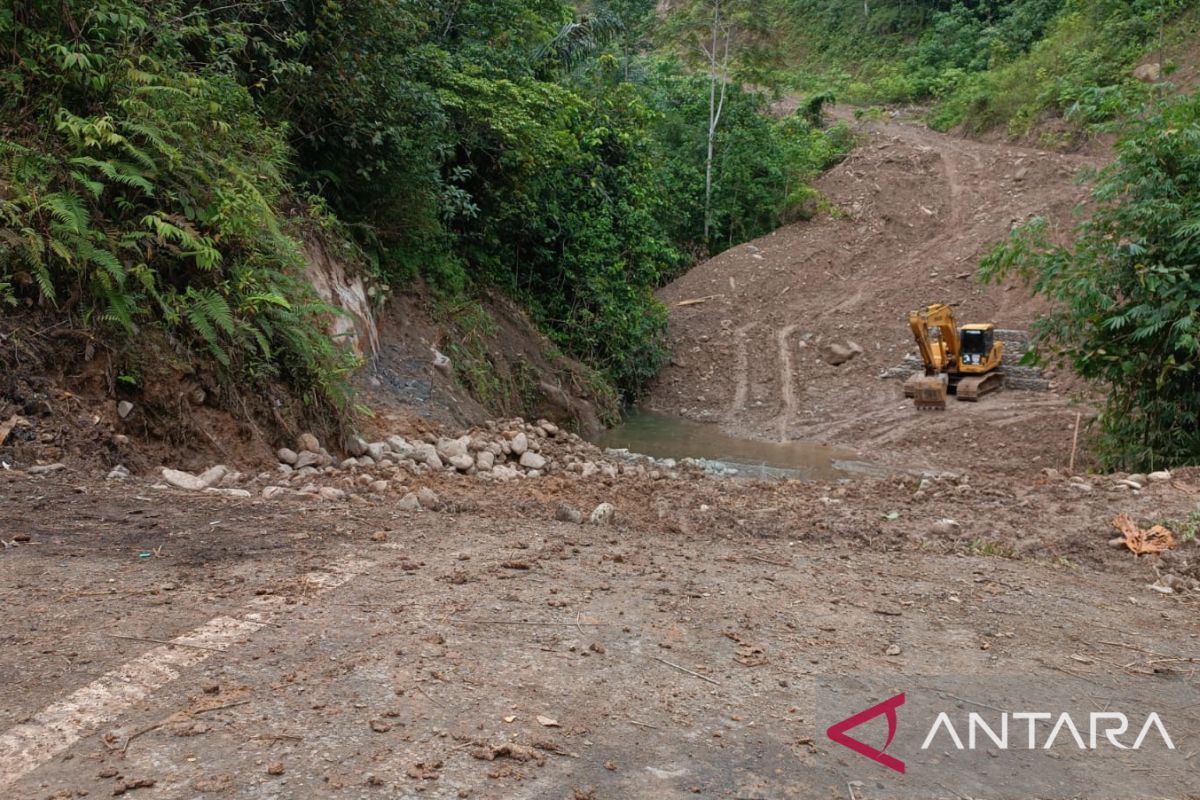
(911, 211)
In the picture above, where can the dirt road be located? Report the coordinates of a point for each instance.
(173, 645)
(912, 211)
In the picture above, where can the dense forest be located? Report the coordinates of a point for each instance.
(163, 164)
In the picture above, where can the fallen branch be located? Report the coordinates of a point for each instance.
(177, 717)
(685, 669)
(1074, 444)
(695, 301)
(642, 724)
(512, 622)
(769, 561)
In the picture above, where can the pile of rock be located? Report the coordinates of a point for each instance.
(500, 450)
(1116, 482)
(1138, 481)
(308, 455)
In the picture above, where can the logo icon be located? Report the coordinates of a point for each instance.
(837, 732)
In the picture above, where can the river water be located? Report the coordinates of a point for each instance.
(667, 436)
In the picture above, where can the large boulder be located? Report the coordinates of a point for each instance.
(503, 472)
(448, 449)
(567, 513)
(400, 446)
(532, 460)
(429, 498)
(837, 354)
(195, 483)
(424, 453)
(1148, 73)
(307, 458)
(602, 514)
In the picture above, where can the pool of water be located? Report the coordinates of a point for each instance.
(667, 436)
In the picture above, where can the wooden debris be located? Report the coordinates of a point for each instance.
(695, 301)
(686, 670)
(1143, 541)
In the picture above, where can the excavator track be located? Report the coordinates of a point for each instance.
(972, 388)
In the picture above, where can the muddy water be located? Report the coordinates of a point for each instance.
(667, 436)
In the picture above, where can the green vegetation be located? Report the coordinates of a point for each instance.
(988, 64)
(1186, 528)
(1126, 293)
(132, 190)
(162, 163)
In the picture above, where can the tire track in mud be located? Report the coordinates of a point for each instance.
(741, 371)
(787, 392)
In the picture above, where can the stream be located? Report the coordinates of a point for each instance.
(658, 435)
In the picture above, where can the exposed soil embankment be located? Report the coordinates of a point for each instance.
(912, 211)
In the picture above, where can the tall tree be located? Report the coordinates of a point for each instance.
(727, 39)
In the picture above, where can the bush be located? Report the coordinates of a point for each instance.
(1126, 294)
(1003, 64)
(762, 166)
(141, 191)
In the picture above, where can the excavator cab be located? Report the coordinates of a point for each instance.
(977, 342)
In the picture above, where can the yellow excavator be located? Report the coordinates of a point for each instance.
(960, 361)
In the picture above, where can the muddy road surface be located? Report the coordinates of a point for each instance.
(168, 644)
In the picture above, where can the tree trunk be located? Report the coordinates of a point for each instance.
(712, 112)
(716, 104)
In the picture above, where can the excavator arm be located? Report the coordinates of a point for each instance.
(942, 354)
(924, 342)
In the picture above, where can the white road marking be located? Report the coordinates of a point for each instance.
(28, 745)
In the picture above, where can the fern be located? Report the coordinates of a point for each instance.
(67, 208)
(217, 310)
(199, 308)
(120, 172)
(143, 183)
(119, 307)
(105, 260)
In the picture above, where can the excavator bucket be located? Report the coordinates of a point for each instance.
(929, 393)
